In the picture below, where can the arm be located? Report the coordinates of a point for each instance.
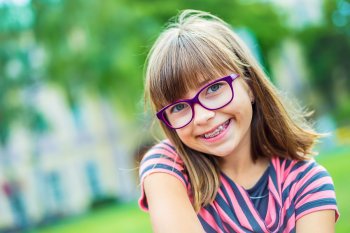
(319, 221)
(169, 205)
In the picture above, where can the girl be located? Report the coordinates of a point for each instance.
(234, 159)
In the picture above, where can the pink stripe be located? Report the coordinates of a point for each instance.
(317, 184)
(161, 170)
(270, 207)
(162, 149)
(310, 174)
(309, 198)
(319, 208)
(293, 175)
(295, 188)
(290, 224)
(225, 217)
(286, 206)
(276, 193)
(163, 161)
(165, 144)
(314, 197)
(286, 171)
(239, 212)
(143, 200)
(271, 212)
(209, 219)
(252, 208)
(157, 161)
(279, 173)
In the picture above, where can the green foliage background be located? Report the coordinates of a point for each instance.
(101, 46)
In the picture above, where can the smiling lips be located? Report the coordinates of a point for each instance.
(216, 131)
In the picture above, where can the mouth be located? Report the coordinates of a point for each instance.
(217, 131)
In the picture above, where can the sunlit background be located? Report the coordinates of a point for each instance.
(72, 119)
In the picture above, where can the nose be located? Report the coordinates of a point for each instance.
(202, 115)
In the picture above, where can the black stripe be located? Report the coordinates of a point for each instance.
(163, 147)
(215, 216)
(158, 156)
(313, 204)
(308, 182)
(206, 226)
(230, 212)
(171, 146)
(165, 167)
(318, 189)
(289, 212)
(286, 190)
(252, 221)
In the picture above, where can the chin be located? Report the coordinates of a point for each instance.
(221, 152)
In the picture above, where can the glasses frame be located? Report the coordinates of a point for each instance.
(195, 100)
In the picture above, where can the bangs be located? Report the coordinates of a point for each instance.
(186, 62)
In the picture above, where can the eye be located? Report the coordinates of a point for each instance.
(178, 107)
(213, 88)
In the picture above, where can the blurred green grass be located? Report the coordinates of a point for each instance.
(127, 218)
(337, 164)
(120, 218)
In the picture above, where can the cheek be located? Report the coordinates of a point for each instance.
(241, 102)
(184, 134)
(242, 110)
(188, 138)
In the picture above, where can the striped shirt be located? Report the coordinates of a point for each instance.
(295, 188)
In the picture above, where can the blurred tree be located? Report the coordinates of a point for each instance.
(99, 46)
(104, 45)
(327, 48)
(17, 73)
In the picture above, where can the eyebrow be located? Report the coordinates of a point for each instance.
(203, 83)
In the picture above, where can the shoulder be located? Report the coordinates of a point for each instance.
(162, 150)
(296, 169)
(307, 185)
(162, 157)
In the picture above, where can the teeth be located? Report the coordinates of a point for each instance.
(215, 133)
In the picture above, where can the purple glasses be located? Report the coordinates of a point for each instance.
(215, 95)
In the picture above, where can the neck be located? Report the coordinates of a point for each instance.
(240, 167)
(239, 161)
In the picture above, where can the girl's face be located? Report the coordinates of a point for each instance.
(221, 132)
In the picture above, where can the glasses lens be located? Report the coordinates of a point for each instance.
(178, 114)
(216, 95)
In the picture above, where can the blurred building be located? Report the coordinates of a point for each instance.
(83, 158)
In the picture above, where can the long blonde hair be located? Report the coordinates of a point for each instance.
(197, 47)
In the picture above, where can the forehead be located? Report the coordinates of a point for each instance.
(187, 87)
(184, 64)
(203, 84)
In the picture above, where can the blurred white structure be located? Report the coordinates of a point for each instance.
(84, 156)
(301, 13)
